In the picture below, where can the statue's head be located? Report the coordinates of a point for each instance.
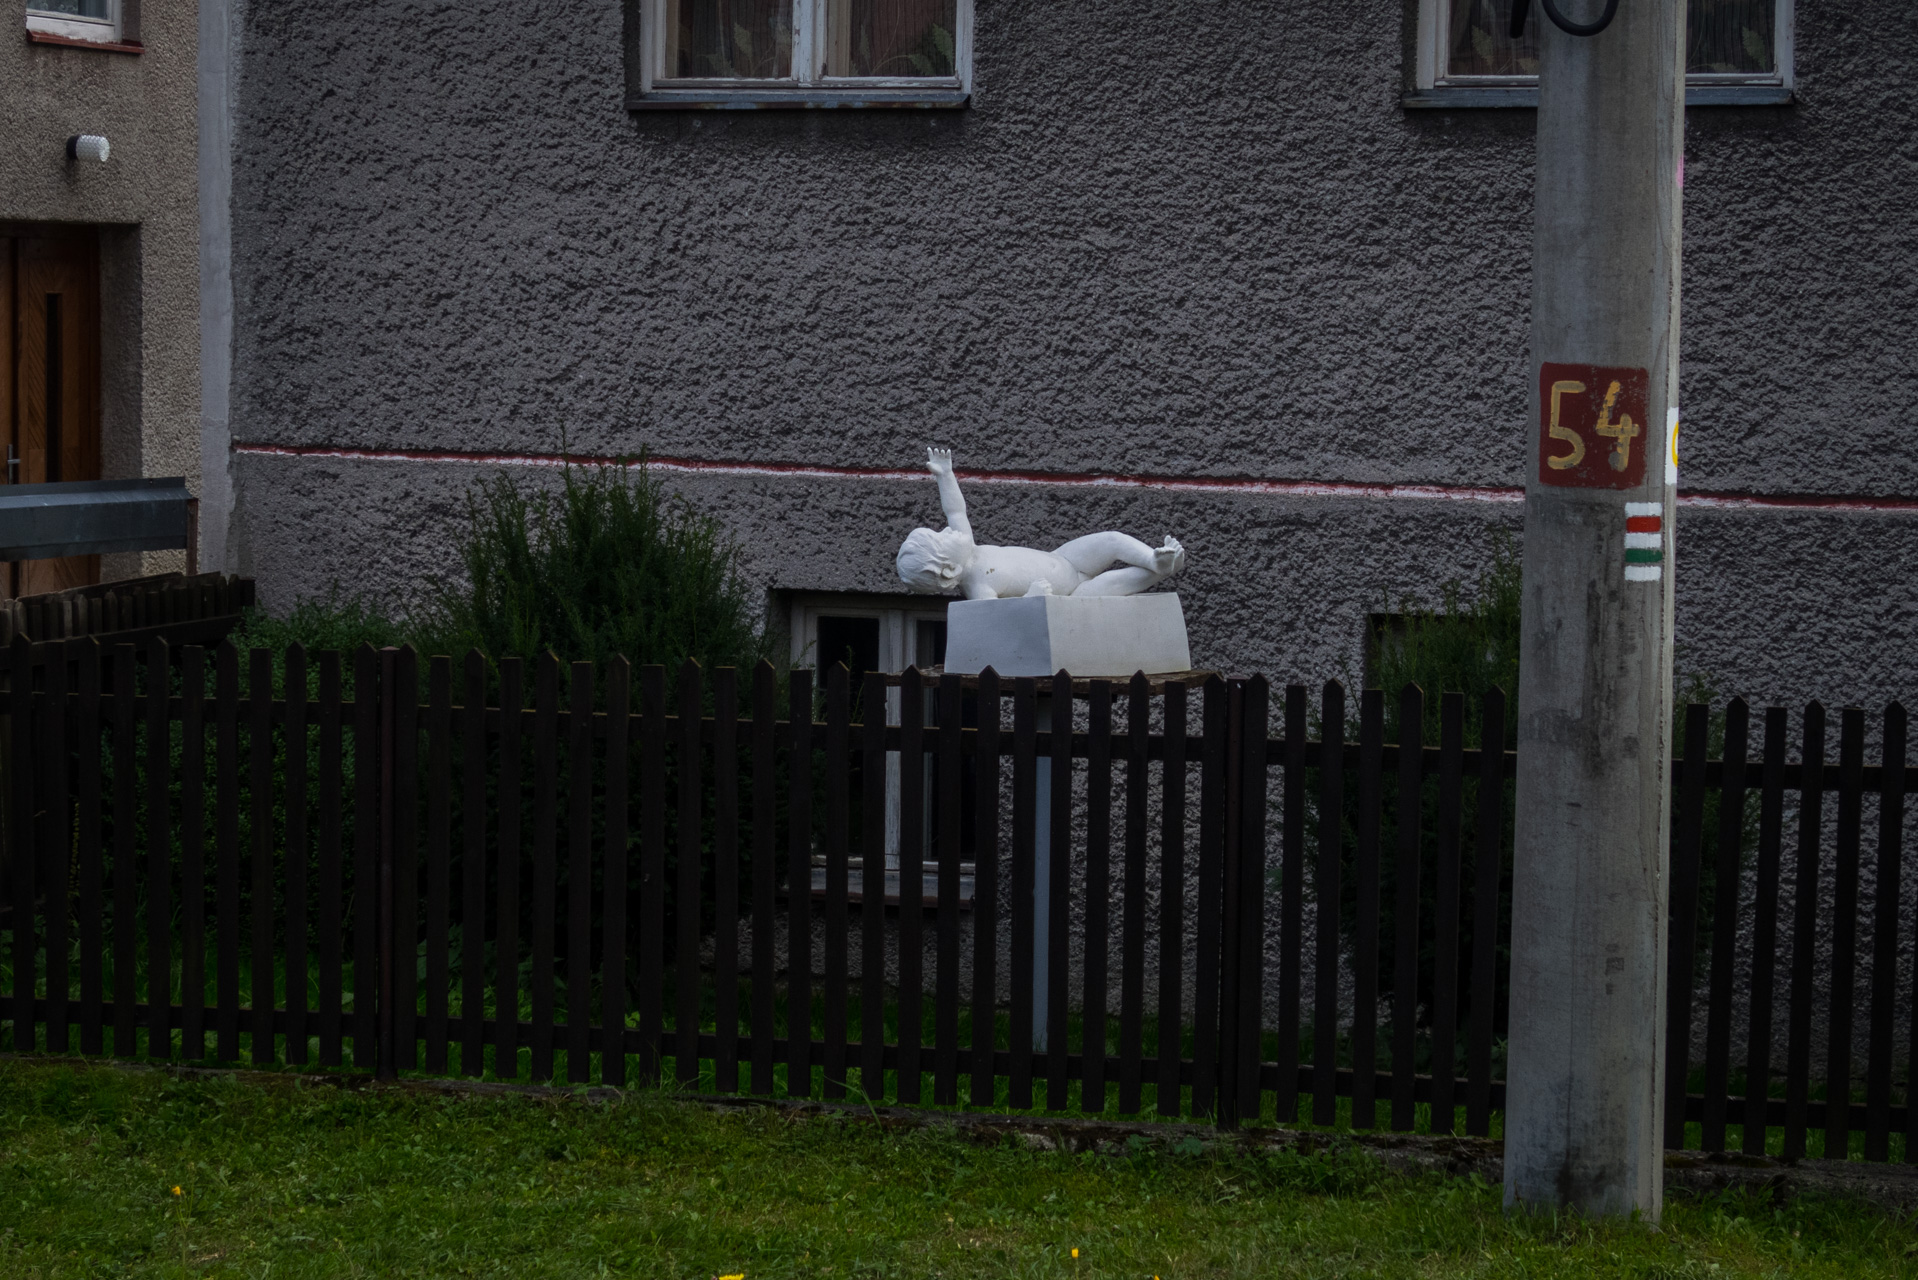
(931, 561)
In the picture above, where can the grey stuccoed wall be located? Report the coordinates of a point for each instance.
(1211, 248)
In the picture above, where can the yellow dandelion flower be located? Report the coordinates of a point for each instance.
(176, 1191)
(738, 1276)
(1075, 1253)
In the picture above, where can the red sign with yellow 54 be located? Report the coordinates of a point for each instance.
(1592, 426)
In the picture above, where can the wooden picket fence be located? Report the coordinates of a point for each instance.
(617, 884)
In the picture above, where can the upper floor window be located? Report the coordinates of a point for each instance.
(806, 52)
(1467, 44)
(97, 20)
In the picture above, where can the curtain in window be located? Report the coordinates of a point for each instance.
(892, 38)
(732, 39)
(1725, 37)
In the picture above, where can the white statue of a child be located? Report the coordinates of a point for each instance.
(942, 561)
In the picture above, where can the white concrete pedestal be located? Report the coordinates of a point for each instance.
(1093, 637)
(1090, 636)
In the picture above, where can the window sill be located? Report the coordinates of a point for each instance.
(1462, 98)
(798, 100)
(71, 42)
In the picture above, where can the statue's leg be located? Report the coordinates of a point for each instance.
(1095, 553)
(1128, 581)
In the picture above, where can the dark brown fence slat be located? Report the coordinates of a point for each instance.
(1097, 896)
(912, 881)
(1771, 821)
(330, 897)
(765, 819)
(1206, 927)
(686, 906)
(226, 768)
(872, 889)
(1446, 912)
(1138, 785)
(54, 844)
(1488, 870)
(259, 693)
(439, 853)
(579, 877)
(407, 856)
(125, 864)
(615, 886)
(1167, 1044)
(473, 867)
(838, 798)
(367, 694)
(985, 892)
(1811, 807)
(1291, 891)
(1681, 938)
(1405, 907)
(1725, 903)
(1252, 930)
(1326, 895)
(799, 885)
(87, 738)
(506, 906)
(1025, 737)
(545, 869)
(1230, 916)
(1844, 933)
(1365, 943)
(1058, 908)
(20, 844)
(296, 855)
(652, 871)
(726, 879)
(945, 1037)
(1884, 941)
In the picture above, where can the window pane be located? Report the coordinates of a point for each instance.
(731, 39)
(892, 38)
(73, 8)
(1725, 35)
(1732, 36)
(1481, 45)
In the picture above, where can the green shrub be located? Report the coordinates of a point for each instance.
(609, 564)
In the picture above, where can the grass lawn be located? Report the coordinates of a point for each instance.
(283, 1179)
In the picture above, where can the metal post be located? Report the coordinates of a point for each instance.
(389, 1060)
(1583, 1121)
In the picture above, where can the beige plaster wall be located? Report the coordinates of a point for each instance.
(145, 198)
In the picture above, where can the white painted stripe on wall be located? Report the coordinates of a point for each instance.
(1644, 572)
(1644, 541)
(1644, 509)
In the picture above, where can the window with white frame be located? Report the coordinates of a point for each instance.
(884, 634)
(806, 47)
(1468, 44)
(95, 20)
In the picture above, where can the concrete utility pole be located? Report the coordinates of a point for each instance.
(1583, 1119)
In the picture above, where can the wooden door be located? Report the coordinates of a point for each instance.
(50, 377)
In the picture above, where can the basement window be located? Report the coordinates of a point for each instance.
(1739, 53)
(757, 54)
(94, 21)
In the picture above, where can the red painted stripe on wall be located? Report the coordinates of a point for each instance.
(1067, 479)
(1643, 524)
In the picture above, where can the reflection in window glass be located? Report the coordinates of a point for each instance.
(731, 39)
(74, 8)
(894, 38)
(1735, 37)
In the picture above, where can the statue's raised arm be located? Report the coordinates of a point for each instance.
(1098, 564)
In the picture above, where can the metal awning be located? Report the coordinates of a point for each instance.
(87, 517)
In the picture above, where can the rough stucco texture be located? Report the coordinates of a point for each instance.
(1215, 247)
